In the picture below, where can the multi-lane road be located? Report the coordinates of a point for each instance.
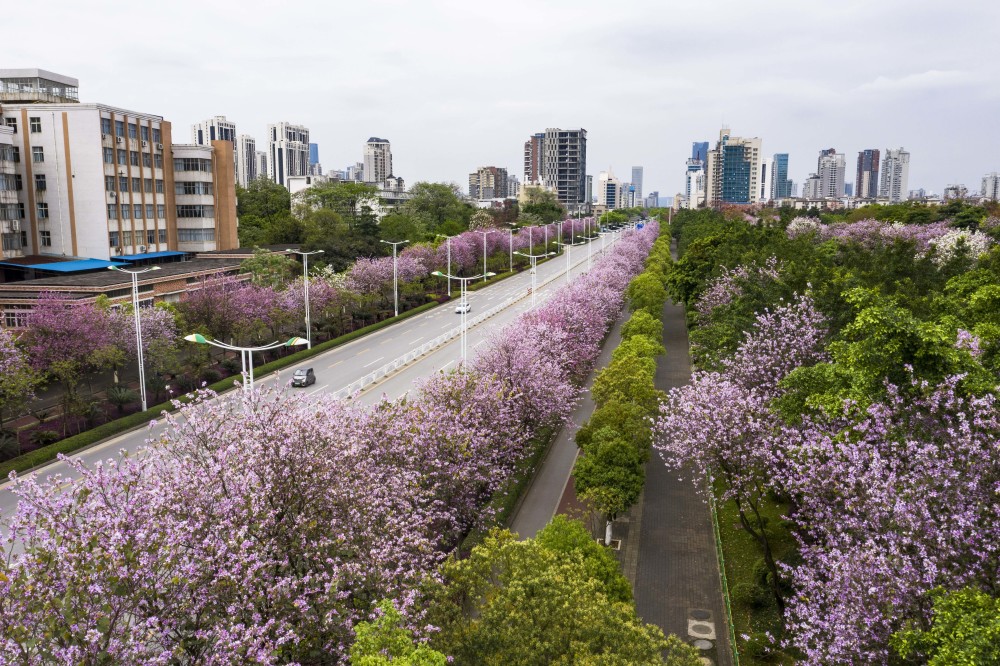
(338, 368)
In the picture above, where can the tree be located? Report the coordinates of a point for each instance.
(482, 220)
(543, 203)
(643, 323)
(271, 269)
(18, 379)
(354, 202)
(609, 475)
(264, 210)
(384, 642)
(440, 206)
(965, 629)
(646, 292)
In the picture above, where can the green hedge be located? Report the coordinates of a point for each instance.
(72, 444)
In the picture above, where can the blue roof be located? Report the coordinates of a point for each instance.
(150, 255)
(72, 266)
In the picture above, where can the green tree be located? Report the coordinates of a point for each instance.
(570, 537)
(264, 210)
(646, 292)
(269, 269)
(627, 379)
(609, 475)
(518, 603)
(398, 225)
(384, 642)
(543, 203)
(354, 202)
(643, 323)
(440, 207)
(964, 631)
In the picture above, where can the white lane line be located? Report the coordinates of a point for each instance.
(447, 364)
(375, 361)
(335, 364)
(416, 339)
(319, 389)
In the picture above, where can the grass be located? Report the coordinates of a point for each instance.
(743, 559)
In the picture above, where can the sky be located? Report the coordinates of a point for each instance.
(455, 85)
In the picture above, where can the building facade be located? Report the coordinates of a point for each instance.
(378, 160)
(488, 182)
(831, 167)
(733, 170)
(609, 191)
(288, 151)
(11, 209)
(866, 181)
(557, 159)
(699, 151)
(637, 182)
(991, 186)
(781, 185)
(895, 175)
(260, 157)
(533, 159)
(246, 160)
(217, 127)
(694, 184)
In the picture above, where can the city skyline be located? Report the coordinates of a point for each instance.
(933, 99)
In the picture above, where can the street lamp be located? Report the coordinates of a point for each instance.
(511, 230)
(534, 271)
(568, 252)
(305, 288)
(395, 280)
(246, 353)
(138, 324)
(463, 286)
(484, 233)
(448, 242)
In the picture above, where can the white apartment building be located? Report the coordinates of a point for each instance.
(96, 181)
(11, 211)
(288, 151)
(246, 160)
(895, 174)
(609, 191)
(260, 159)
(217, 127)
(766, 175)
(201, 193)
(694, 185)
(991, 186)
(378, 160)
(732, 174)
(830, 168)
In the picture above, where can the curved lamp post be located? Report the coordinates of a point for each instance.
(305, 287)
(246, 353)
(448, 242)
(138, 325)
(534, 271)
(395, 281)
(568, 252)
(463, 282)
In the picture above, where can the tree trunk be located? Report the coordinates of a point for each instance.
(761, 538)
(607, 533)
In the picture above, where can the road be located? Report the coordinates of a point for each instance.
(339, 367)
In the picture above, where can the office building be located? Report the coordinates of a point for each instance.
(513, 186)
(895, 174)
(694, 184)
(246, 160)
(260, 158)
(11, 209)
(637, 182)
(866, 181)
(97, 181)
(215, 128)
(609, 191)
(488, 182)
(955, 191)
(355, 172)
(848, 189)
(315, 168)
(652, 200)
(812, 188)
(733, 170)
(557, 159)
(699, 151)
(378, 160)
(991, 186)
(831, 167)
(288, 151)
(781, 185)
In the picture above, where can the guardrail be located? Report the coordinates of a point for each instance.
(409, 357)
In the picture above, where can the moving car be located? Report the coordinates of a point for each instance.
(303, 377)
(462, 307)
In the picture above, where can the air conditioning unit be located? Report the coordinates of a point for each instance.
(142, 248)
(159, 146)
(113, 195)
(118, 250)
(119, 139)
(145, 143)
(104, 137)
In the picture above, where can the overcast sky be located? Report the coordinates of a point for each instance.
(456, 84)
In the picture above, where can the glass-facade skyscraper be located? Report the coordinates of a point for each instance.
(699, 151)
(780, 183)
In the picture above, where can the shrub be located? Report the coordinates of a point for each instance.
(43, 437)
(751, 595)
(210, 376)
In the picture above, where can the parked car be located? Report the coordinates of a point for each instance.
(463, 306)
(303, 377)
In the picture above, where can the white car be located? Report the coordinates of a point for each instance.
(463, 307)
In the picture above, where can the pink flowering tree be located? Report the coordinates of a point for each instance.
(18, 379)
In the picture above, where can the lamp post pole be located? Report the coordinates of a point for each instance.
(395, 279)
(534, 271)
(138, 326)
(246, 353)
(305, 289)
(463, 286)
(448, 243)
(484, 233)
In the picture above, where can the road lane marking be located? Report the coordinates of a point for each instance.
(416, 339)
(375, 361)
(335, 364)
(314, 392)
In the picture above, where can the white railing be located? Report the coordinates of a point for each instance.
(382, 372)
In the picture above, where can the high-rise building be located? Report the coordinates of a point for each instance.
(217, 127)
(637, 182)
(733, 170)
(378, 160)
(513, 186)
(100, 181)
(781, 185)
(288, 151)
(315, 168)
(246, 160)
(812, 188)
(766, 168)
(699, 151)
(866, 183)
(609, 191)
(955, 191)
(260, 158)
(557, 159)
(488, 182)
(652, 200)
(848, 189)
(991, 186)
(589, 197)
(694, 184)
(831, 167)
(895, 174)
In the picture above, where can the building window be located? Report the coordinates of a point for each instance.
(45, 237)
(113, 213)
(147, 160)
(11, 123)
(161, 235)
(132, 134)
(37, 154)
(122, 157)
(113, 239)
(148, 182)
(156, 135)
(40, 182)
(149, 211)
(136, 184)
(123, 183)
(42, 209)
(144, 132)
(109, 183)
(158, 160)
(137, 211)
(109, 156)
(160, 211)
(192, 164)
(105, 125)
(159, 187)
(119, 128)
(150, 236)
(133, 159)
(15, 316)
(187, 187)
(126, 211)
(195, 210)
(15, 154)
(126, 238)
(36, 125)
(195, 235)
